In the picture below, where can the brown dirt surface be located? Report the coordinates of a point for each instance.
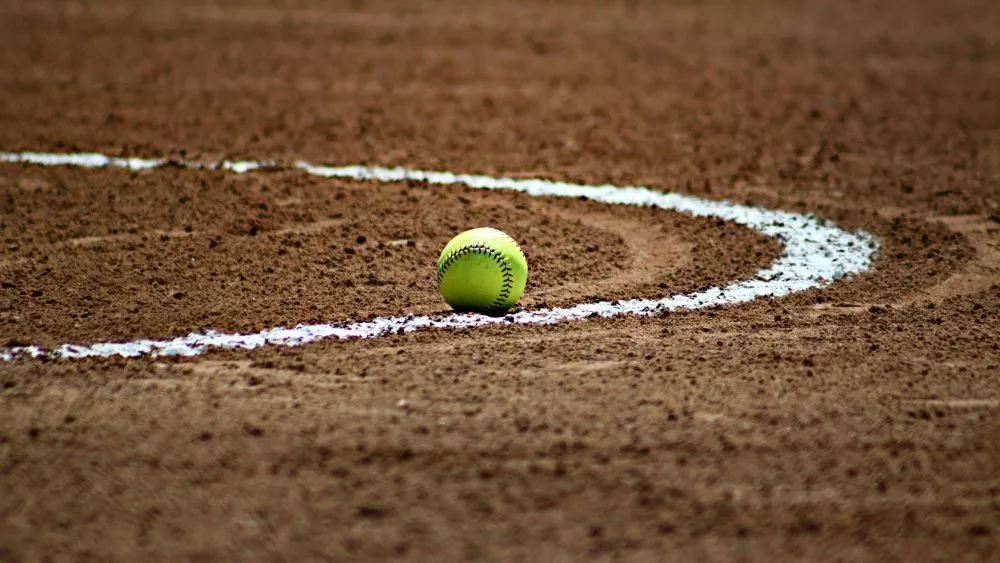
(852, 423)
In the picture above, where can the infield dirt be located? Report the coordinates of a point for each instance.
(857, 422)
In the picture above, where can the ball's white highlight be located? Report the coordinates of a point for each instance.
(816, 253)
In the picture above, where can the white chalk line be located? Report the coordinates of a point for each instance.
(816, 253)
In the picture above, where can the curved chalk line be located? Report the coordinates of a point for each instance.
(816, 253)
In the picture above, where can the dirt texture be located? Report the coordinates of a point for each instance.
(854, 423)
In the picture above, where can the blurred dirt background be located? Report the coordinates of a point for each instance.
(854, 423)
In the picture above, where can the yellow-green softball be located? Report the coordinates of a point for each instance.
(482, 270)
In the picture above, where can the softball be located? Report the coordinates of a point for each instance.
(482, 270)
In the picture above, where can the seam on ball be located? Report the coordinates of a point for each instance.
(506, 271)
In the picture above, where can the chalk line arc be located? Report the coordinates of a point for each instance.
(816, 253)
